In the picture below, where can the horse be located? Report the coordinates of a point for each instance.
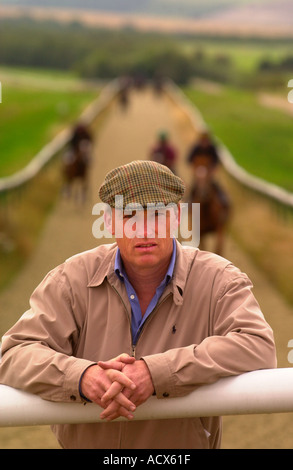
(76, 163)
(215, 207)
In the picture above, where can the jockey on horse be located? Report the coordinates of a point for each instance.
(77, 159)
(164, 152)
(214, 203)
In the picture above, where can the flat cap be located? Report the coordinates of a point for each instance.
(141, 183)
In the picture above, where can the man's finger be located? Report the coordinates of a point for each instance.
(117, 376)
(114, 410)
(117, 362)
(124, 357)
(115, 393)
(111, 365)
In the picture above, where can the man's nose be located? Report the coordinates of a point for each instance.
(145, 227)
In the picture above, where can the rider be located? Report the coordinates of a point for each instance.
(204, 159)
(164, 152)
(77, 158)
(81, 138)
(80, 144)
(204, 148)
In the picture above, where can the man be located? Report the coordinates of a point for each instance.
(146, 316)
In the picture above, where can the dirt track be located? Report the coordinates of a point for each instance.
(126, 136)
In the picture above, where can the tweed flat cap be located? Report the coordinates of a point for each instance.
(141, 183)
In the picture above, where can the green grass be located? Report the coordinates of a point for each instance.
(259, 138)
(245, 55)
(35, 106)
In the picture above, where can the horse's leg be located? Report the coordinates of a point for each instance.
(84, 192)
(202, 244)
(81, 190)
(66, 188)
(220, 236)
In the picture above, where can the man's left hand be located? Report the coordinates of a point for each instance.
(139, 373)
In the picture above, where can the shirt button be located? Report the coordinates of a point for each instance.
(132, 296)
(165, 394)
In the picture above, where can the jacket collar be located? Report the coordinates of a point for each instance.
(105, 266)
(184, 259)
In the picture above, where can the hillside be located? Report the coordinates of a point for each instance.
(226, 17)
(184, 8)
(272, 13)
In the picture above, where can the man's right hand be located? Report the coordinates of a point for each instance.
(139, 373)
(96, 381)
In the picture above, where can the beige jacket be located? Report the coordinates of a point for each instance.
(80, 314)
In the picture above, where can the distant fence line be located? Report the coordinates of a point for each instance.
(277, 194)
(23, 176)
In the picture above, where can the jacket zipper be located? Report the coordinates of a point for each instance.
(133, 346)
(149, 318)
(129, 319)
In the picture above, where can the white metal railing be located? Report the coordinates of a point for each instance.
(59, 141)
(257, 392)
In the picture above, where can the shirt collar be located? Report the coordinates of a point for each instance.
(105, 257)
(119, 269)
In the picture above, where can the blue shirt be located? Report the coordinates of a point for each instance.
(137, 320)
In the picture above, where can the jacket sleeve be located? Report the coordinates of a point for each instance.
(38, 351)
(240, 341)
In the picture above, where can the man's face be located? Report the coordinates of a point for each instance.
(147, 236)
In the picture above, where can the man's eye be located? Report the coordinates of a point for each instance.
(127, 216)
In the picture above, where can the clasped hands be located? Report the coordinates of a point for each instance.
(118, 385)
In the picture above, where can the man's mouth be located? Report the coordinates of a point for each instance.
(145, 246)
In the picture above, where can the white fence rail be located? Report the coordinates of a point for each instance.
(270, 190)
(257, 392)
(59, 142)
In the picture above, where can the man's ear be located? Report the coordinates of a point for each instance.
(109, 221)
(178, 214)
